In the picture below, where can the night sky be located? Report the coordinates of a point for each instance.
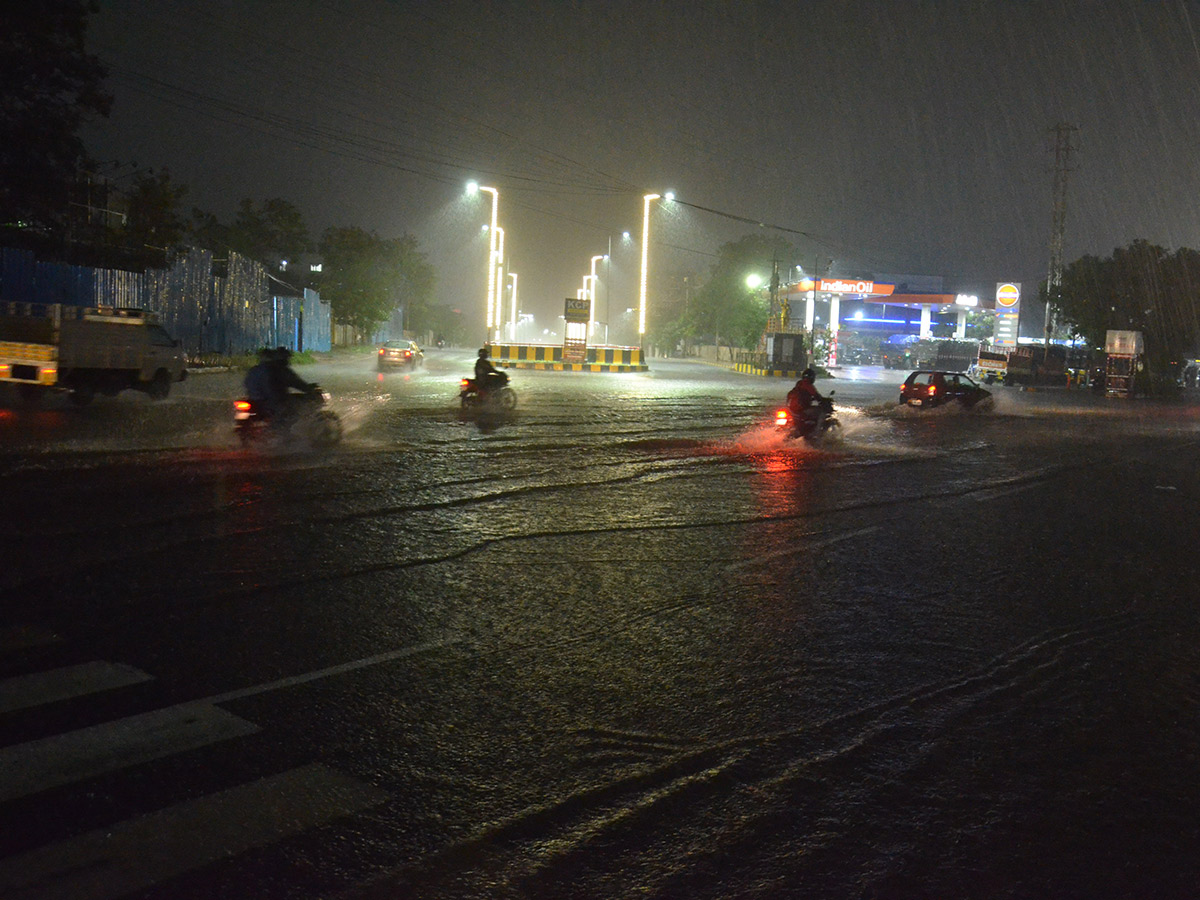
(889, 137)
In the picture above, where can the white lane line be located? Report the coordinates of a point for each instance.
(139, 853)
(65, 758)
(339, 669)
(62, 684)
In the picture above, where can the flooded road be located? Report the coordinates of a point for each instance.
(623, 642)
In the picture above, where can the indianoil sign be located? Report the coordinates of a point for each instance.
(846, 286)
(1008, 313)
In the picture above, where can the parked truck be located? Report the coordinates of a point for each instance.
(991, 366)
(85, 350)
(1123, 361)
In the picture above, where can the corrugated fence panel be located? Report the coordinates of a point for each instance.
(234, 313)
(318, 333)
(60, 283)
(17, 269)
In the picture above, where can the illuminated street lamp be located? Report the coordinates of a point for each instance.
(645, 262)
(498, 278)
(513, 318)
(493, 262)
(754, 281)
(592, 296)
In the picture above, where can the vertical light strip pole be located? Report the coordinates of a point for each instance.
(645, 262)
(513, 276)
(592, 296)
(473, 187)
(498, 279)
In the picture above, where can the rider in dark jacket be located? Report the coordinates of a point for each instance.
(274, 381)
(487, 378)
(260, 387)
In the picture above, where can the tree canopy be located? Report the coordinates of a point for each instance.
(271, 232)
(51, 87)
(365, 277)
(725, 307)
(1141, 287)
(155, 219)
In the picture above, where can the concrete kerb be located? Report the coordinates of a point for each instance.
(747, 369)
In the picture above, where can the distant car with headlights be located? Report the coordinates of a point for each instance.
(399, 355)
(927, 387)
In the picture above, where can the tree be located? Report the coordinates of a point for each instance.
(208, 231)
(364, 277)
(51, 86)
(154, 217)
(270, 233)
(1141, 287)
(724, 306)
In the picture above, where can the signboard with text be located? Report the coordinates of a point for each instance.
(1008, 313)
(578, 309)
(576, 314)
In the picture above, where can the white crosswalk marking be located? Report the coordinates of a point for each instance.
(138, 853)
(62, 684)
(38, 765)
(133, 855)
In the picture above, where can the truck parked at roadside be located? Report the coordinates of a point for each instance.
(991, 366)
(1123, 362)
(86, 350)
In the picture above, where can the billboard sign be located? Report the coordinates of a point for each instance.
(578, 309)
(1008, 313)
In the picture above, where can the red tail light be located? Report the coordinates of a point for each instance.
(781, 417)
(465, 383)
(241, 405)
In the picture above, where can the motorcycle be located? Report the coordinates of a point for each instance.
(309, 419)
(793, 425)
(471, 396)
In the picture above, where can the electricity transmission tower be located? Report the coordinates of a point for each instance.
(1064, 136)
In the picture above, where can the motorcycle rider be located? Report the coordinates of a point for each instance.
(269, 385)
(487, 378)
(806, 402)
(260, 386)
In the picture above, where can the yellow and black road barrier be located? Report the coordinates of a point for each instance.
(550, 357)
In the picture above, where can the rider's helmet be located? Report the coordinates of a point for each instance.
(283, 354)
(808, 375)
(484, 352)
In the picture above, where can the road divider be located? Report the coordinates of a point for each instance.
(550, 356)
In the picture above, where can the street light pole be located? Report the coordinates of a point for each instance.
(645, 263)
(513, 276)
(472, 187)
(592, 296)
(498, 279)
(607, 287)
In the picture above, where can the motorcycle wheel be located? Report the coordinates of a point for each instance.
(830, 434)
(507, 398)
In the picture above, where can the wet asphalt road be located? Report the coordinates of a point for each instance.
(622, 643)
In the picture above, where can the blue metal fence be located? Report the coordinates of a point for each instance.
(236, 312)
